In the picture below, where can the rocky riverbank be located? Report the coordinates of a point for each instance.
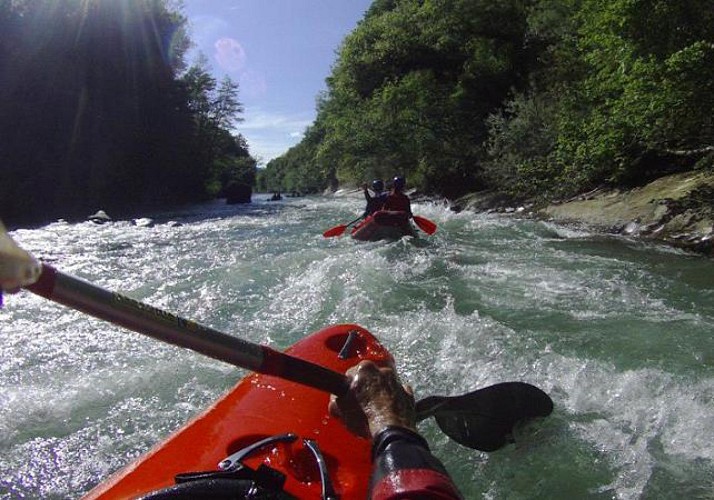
(676, 209)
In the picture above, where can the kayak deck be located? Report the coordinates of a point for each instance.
(258, 407)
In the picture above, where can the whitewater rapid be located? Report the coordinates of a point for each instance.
(618, 332)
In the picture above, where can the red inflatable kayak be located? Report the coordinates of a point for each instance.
(384, 224)
(265, 433)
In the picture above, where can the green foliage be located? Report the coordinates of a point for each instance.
(625, 83)
(411, 90)
(519, 145)
(224, 158)
(298, 169)
(637, 101)
(233, 165)
(93, 113)
(535, 98)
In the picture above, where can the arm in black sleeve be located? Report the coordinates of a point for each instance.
(405, 468)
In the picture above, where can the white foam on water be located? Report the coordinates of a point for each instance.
(630, 415)
(486, 299)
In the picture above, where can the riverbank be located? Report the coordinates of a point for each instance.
(676, 209)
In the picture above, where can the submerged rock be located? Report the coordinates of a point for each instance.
(100, 217)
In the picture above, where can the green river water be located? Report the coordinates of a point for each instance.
(619, 333)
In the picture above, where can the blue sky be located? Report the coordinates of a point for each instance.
(279, 52)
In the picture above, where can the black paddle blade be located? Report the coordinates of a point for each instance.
(484, 419)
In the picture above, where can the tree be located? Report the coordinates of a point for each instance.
(216, 111)
(411, 90)
(623, 94)
(93, 112)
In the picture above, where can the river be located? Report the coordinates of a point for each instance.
(619, 333)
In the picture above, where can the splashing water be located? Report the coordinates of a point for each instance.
(619, 334)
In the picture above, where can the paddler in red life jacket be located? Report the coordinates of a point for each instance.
(378, 406)
(374, 203)
(397, 200)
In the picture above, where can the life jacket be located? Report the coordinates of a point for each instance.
(374, 203)
(405, 468)
(398, 202)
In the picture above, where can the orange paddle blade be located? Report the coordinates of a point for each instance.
(425, 224)
(335, 231)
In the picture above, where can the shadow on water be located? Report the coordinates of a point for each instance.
(218, 209)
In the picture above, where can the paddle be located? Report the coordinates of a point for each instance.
(482, 419)
(425, 224)
(162, 325)
(339, 230)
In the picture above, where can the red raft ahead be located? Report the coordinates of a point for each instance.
(265, 433)
(384, 224)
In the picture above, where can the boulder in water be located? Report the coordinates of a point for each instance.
(100, 217)
(238, 193)
(144, 222)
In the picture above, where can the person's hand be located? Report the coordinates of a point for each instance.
(17, 267)
(376, 399)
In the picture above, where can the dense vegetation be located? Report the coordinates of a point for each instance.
(532, 98)
(98, 110)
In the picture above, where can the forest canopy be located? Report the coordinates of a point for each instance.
(98, 109)
(532, 98)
